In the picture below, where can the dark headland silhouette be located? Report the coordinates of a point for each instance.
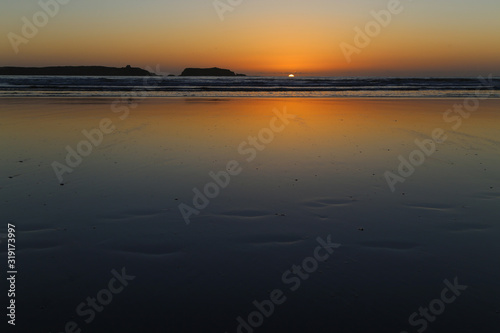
(76, 71)
(214, 71)
(107, 71)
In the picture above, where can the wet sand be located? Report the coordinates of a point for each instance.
(319, 173)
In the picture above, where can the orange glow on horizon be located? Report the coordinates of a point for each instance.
(265, 44)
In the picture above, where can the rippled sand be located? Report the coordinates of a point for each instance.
(322, 174)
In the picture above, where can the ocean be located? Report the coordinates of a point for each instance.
(363, 211)
(250, 86)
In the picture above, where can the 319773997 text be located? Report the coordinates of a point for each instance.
(11, 273)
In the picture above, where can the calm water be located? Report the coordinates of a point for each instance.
(319, 174)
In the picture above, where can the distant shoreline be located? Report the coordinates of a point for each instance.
(75, 71)
(106, 71)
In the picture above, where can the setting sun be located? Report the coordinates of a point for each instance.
(159, 148)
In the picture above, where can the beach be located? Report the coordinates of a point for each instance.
(252, 214)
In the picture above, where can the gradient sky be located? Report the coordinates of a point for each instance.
(261, 37)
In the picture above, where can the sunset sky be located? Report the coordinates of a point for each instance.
(261, 37)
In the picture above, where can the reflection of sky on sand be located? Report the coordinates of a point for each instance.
(324, 173)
